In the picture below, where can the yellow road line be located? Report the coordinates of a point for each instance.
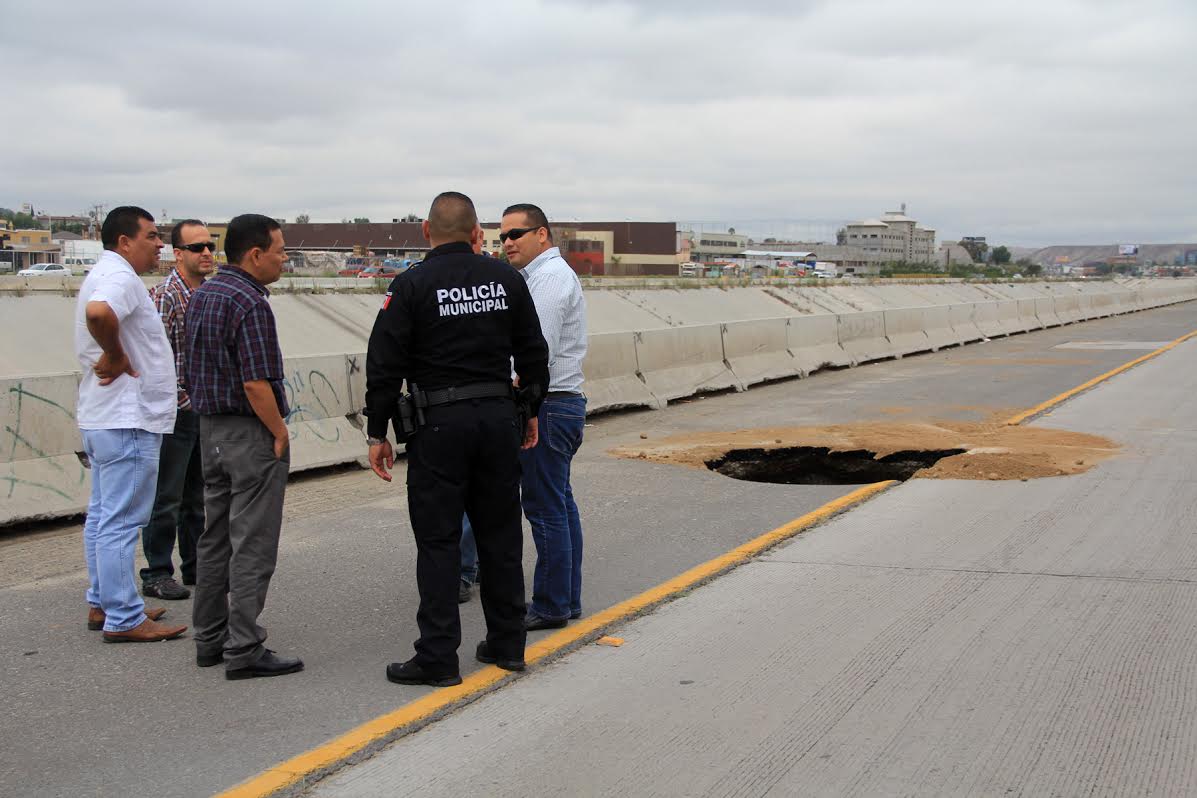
(375, 733)
(1055, 400)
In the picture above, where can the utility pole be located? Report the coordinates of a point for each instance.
(97, 219)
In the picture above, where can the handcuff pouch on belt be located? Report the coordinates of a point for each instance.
(409, 414)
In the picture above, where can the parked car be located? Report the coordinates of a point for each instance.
(45, 270)
(353, 266)
(379, 272)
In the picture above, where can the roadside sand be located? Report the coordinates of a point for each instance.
(993, 451)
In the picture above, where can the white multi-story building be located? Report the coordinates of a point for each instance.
(894, 238)
(706, 247)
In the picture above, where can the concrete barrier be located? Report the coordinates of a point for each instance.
(1045, 311)
(683, 361)
(814, 341)
(1068, 309)
(758, 350)
(937, 323)
(964, 324)
(1008, 318)
(1087, 310)
(41, 476)
(324, 422)
(1028, 317)
(985, 315)
(1105, 304)
(613, 376)
(862, 335)
(904, 330)
(1126, 302)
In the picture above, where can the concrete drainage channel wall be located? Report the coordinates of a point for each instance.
(42, 476)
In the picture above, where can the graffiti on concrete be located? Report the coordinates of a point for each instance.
(19, 444)
(311, 397)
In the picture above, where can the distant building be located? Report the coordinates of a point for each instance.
(707, 247)
(615, 248)
(894, 238)
(953, 254)
(24, 248)
(630, 248)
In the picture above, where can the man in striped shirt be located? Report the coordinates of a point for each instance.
(179, 502)
(547, 495)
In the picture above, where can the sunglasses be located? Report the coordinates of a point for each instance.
(200, 247)
(516, 233)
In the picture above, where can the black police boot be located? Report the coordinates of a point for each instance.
(411, 672)
(483, 655)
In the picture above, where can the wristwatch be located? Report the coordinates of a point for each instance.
(375, 441)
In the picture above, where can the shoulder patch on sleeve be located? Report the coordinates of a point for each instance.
(387, 301)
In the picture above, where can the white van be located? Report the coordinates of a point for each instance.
(79, 265)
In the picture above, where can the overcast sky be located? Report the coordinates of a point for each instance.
(1028, 121)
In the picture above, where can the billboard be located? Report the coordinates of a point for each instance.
(1128, 249)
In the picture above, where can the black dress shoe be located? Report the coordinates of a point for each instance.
(167, 589)
(269, 664)
(533, 621)
(483, 655)
(209, 660)
(463, 592)
(411, 672)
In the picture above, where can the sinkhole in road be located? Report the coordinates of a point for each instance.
(817, 465)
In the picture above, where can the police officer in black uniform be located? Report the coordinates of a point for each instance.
(450, 327)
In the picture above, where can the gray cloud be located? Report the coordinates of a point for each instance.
(1029, 122)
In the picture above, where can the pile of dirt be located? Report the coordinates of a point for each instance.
(991, 450)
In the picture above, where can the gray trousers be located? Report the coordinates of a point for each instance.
(244, 486)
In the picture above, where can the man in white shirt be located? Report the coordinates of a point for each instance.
(547, 495)
(126, 403)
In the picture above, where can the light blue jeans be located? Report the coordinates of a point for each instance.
(124, 477)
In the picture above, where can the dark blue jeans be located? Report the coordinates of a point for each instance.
(548, 501)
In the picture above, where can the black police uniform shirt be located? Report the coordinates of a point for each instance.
(454, 320)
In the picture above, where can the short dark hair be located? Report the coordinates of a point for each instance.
(534, 214)
(122, 221)
(176, 232)
(452, 215)
(247, 231)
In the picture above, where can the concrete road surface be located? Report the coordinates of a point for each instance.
(946, 638)
(83, 718)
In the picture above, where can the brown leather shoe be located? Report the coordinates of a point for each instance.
(95, 616)
(145, 632)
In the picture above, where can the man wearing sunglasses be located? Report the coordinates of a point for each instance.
(548, 497)
(179, 503)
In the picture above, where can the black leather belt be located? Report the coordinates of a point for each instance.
(562, 395)
(478, 390)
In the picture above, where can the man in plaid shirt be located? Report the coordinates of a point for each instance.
(233, 371)
(179, 502)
